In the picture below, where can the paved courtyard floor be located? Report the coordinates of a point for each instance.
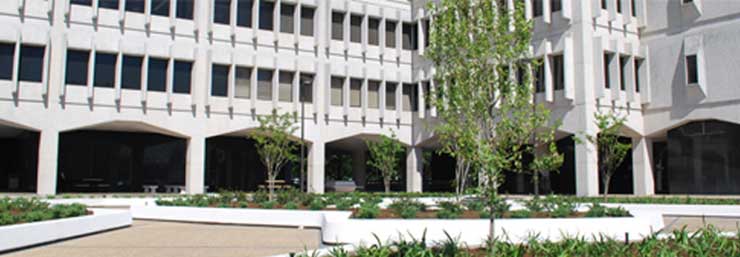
(154, 239)
(693, 223)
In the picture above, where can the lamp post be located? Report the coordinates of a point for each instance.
(305, 82)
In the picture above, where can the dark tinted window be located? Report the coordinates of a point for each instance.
(244, 13)
(355, 28)
(558, 72)
(307, 14)
(337, 25)
(603, 4)
(537, 8)
(306, 88)
(266, 15)
(638, 66)
(556, 5)
(692, 73)
(7, 52)
(31, 63)
(183, 73)
(539, 78)
(131, 72)
(157, 77)
(135, 6)
(105, 70)
(619, 6)
(409, 36)
(373, 31)
(264, 84)
(185, 9)
(607, 60)
(390, 33)
(622, 75)
(222, 11)
(161, 7)
(109, 4)
(82, 2)
(76, 73)
(220, 80)
(286, 18)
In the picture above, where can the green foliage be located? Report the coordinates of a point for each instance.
(339, 167)
(268, 204)
(274, 145)
(24, 210)
(368, 210)
(406, 207)
(611, 149)
(521, 214)
(317, 204)
(598, 210)
(384, 157)
(346, 203)
(474, 205)
(290, 205)
(449, 210)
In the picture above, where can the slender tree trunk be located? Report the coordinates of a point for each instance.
(271, 187)
(387, 184)
(492, 218)
(536, 181)
(607, 179)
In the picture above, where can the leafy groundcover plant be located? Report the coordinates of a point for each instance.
(25, 210)
(704, 242)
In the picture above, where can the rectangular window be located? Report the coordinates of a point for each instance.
(135, 6)
(426, 86)
(692, 69)
(390, 95)
(267, 12)
(285, 86)
(623, 61)
(558, 72)
(619, 6)
(219, 80)
(355, 92)
(31, 63)
(105, 70)
(108, 4)
(373, 31)
(160, 7)
(390, 33)
(82, 2)
(607, 76)
(373, 94)
(337, 91)
(307, 14)
(409, 36)
(556, 5)
(634, 8)
(157, 80)
(243, 85)
(355, 28)
(131, 72)
(76, 73)
(286, 18)
(306, 88)
(337, 26)
(184, 9)
(409, 97)
(244, 13)
(539, 77)
(264, 84)
(183, 77)
(7, 55)
(537, 8)
(638, 67)
(603, 4)
(222, 11)
(425, 26)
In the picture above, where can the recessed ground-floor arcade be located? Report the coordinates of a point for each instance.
(700, 157)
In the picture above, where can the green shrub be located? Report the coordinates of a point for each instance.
(368, 210)
(406, 207)
(268, 204)
(475, 205)
(596, 210)
(535, 204)
(317, 204)
(449, 210)
(291, 206)
(260, 196)
(521, 214)
(23, 210)
(243, 204)
(617, 212)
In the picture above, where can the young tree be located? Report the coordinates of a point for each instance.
(274, 146)
(611, 150)
(384, 157)
(474, 44)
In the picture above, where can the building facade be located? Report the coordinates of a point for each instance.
(128, 95)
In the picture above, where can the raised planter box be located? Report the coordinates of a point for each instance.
(30, 234)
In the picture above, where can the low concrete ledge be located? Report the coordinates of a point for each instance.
(261, 217)
(30, 234)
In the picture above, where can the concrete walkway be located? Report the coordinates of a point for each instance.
(154, 238)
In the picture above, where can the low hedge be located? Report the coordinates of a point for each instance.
(25, 210)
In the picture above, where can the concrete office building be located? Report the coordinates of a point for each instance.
(122, 95)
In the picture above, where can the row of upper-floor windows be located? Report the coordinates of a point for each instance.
(557, 5)
(624, 63)
(183, 9)
(409, 93)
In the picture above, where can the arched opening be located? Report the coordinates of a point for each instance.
(346, 167)
(120, 158)
(18, 159)
(561, 181)
(622, 181)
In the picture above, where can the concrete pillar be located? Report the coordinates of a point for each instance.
(359, 167)
(642, 166)
(414, 169)
(315, 174)
(587, 169)
(195, 165)
(46, 183)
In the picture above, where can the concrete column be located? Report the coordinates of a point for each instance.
(46, 183)
(587, 169)
(315, 174)
(195, 165)
(642, 166)
(359, 167)
(414, 169)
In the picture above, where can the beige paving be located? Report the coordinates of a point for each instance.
(693, 223)
(154, 239)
